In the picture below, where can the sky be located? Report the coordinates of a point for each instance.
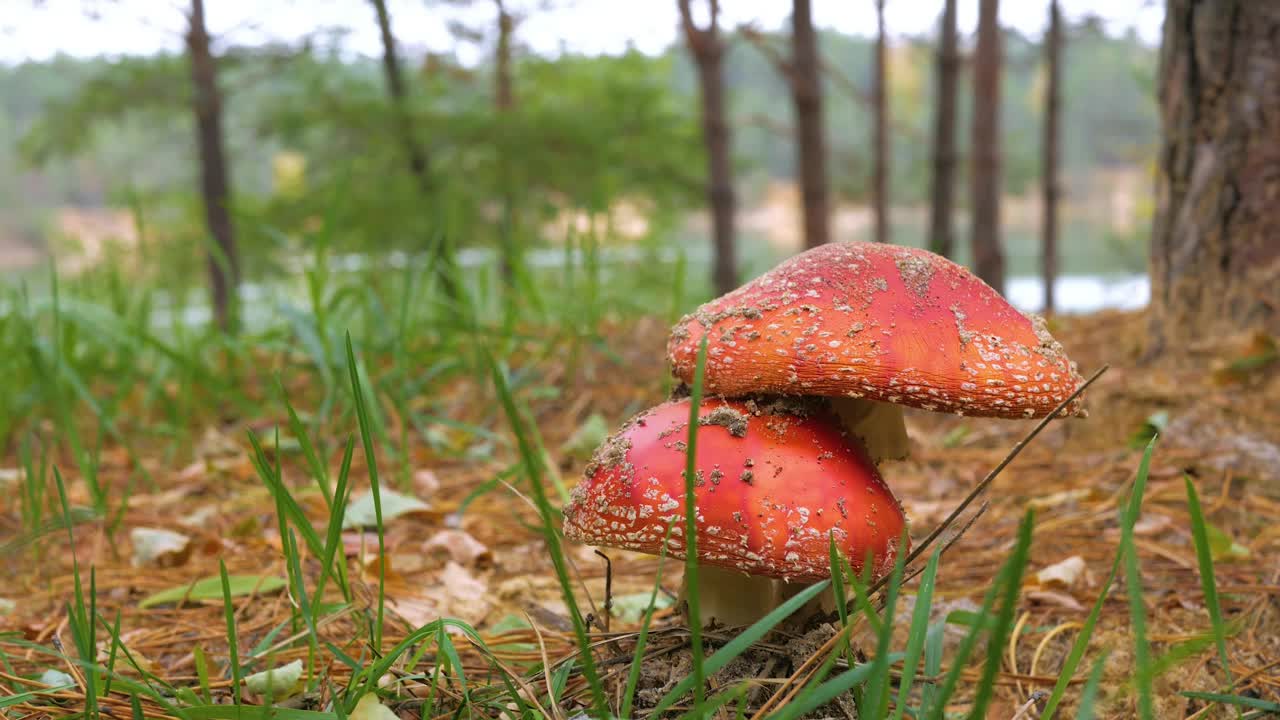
(39, 29)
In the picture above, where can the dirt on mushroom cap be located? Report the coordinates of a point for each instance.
(768, 498)
(882, 322)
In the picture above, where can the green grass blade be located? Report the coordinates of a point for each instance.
(691, 527)
(741, 643)
(1089, 695)
(637, 660)
(1012, 586)
(1143, 673)
(233, 643)
(826, 692)
(1267, 706)
(371, 461)
(1208, 582)
(919, 631)
(533, 470)
(1128, 518)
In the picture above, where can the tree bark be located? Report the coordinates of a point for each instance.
(1049, 170)
(941, 233)
(504, 100)
(988, 257)
(1215, 253)
(418, 160)
(707, 48)
(806, 90)
(215, 185)
(881, 140)
(418, 164)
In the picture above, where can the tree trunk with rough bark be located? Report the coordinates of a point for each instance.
(215, 185)
(1049, 169)
(806, 90)
(707, 48)
(1215, 242)
(984, 239)
(941, 229)
(881, 141)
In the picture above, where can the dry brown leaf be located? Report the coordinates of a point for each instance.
(1065, 573)
(460, 546)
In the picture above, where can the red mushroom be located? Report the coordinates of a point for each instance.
(774, 481)
(878, 326)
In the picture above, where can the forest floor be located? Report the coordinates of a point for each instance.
(488, 565)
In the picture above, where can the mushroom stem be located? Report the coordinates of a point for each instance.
(878, 424)
(732, 597)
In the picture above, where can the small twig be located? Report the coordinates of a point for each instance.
(991, 476)
(546, 662)
(1025, 710)
(608, 588)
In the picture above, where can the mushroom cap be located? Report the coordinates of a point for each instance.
(882, 322)
(775, 479)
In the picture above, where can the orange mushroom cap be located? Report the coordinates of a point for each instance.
(773, 483)
(882, 322)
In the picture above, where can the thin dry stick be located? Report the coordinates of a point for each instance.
(991, 476)
(546, 662)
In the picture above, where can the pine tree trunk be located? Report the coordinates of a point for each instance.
(988, 257)
(1215, 243)
(806, 90)
(215, 190)
(881, 101)
(504, 101)
(1049, 171)
(419, 163)
(707, 48)
(941, 233)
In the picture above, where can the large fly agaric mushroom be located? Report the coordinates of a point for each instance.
(774, 481)
(876, 327)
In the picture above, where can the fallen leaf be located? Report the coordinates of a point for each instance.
(425, 482)
(1222, 546)
(1055, 598)
(631, 608)
(460, 546)
(361, 513)
(1061, 497)
(587, 437)
(369, 708)
(56, 679)
(159, 547)
(210, 588)
(1154, 424)
(460, 584)
(1151, 524)
(1065, 573)
(276, 683)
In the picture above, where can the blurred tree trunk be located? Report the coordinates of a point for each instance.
(504, 100)
(881, 140)
(806, 90)
(707, 48)
(988, 257)
(419, 164)
(1215, 243)
(1049, 170)
(941, 234)
(224, 260)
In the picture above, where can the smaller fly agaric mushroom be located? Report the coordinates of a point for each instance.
(876, 327)
(774, 480)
